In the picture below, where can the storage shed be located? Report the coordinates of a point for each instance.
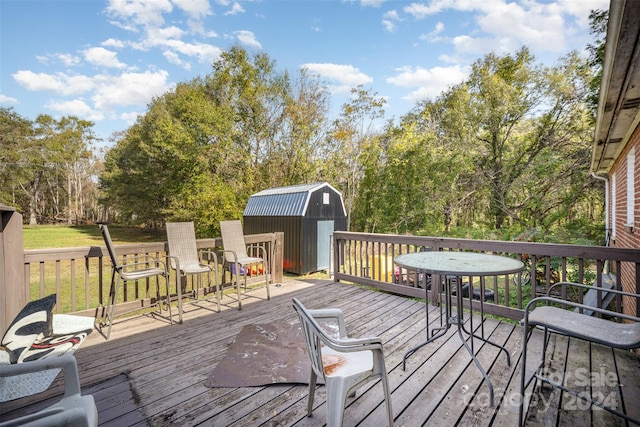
(307, 215)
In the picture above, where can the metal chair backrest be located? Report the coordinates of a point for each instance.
(233, 239)
(181, 238)
(109, 244)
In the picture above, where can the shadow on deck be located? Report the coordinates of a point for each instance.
(152, 373)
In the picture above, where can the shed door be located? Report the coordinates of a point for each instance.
(325, 230)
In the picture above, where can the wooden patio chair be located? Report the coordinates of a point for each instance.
(624, 334)
(73, 409)
(186, 260)
(345, 364)
(236, 258)
(132, 271)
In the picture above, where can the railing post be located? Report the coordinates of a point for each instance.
(14, 293)
(278, 256)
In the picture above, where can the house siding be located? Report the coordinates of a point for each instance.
(624, 236)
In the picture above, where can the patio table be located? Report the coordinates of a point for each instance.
(459, 264)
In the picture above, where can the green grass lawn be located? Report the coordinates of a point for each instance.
(65, 236)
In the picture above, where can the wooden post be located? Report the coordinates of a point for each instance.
(278, 255)
(14, 293)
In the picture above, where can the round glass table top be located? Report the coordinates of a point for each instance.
(459, 263)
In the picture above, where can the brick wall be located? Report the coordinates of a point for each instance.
(624, 236)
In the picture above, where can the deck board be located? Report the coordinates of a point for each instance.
(152, 373)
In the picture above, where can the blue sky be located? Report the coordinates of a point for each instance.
(104, 60)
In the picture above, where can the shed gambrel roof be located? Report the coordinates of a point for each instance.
(284, 201)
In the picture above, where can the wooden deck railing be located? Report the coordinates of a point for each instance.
(367, 259)
(81, 277)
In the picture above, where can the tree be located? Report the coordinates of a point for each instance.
(45, 165)
(349, 138)
(213, 141)
(598, 20)
(65, 145)
(15, 137)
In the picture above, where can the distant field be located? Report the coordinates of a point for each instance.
(64, 236)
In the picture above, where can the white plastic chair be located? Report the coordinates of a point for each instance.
(185, 259)
(72, 410)
(345, 364)
(236, 257)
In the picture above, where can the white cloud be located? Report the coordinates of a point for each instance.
(61, 83)
(75, 107)
(504, 26)
(108, 92)
(174, 58)
(131, 13)
(235, 9)
(66, 59)
(372, 3)
(169, 40)
(248, 38)
(421, 11)
(4, 99)
(103, 57)
(130, 117)
(347, 76)
(429, 83)
(195, 8)
(434, 35)
(129, 89)
(111, 42)
(390, 20)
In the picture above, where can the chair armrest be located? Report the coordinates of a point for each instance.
(347, 345)
(233, 253)
(261, 249)
(588, 287)
(66, 362)
(174, 262)
(210, 255)
(331, 314)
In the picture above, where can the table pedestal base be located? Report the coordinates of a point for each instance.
(459, 321)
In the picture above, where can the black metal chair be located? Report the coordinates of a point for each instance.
(554, 319)
(133, 271)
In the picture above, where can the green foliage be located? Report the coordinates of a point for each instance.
(47, 167)
(202, 149)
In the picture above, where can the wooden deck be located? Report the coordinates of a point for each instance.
(152, 373)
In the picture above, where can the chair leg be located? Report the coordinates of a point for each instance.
(336, 401)
(312, 392)
(167, 298)
(215, 278)
(522, 412)
(179, 292)
(266, 276)
(387, 398)
(238, 287)
(113, 307)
